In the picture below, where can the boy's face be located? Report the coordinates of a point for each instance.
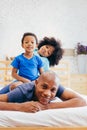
(46, 88)
(46, 50)
(29, 43)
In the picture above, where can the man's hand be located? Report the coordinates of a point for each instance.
(32, 107)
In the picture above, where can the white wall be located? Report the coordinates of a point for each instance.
(63, 19)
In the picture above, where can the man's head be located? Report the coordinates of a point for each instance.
(46, 86)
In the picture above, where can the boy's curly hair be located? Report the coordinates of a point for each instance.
(58, 52)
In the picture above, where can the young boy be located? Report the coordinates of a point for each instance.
(26, 66)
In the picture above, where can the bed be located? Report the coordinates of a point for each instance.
(56, 119)
(65, 117)
(69, 117)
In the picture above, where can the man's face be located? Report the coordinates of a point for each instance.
(46, 89)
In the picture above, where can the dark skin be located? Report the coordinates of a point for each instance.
(46, 87)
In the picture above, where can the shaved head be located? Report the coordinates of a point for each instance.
(50, 76)
(46, 86)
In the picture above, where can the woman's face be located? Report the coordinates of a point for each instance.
(46, 50)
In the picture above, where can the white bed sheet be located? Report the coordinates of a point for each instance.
(65, 117)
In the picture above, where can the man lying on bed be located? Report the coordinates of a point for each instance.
(36, 96)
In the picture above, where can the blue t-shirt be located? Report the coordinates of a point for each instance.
(28, 68)
(44, 59)
(26, 91)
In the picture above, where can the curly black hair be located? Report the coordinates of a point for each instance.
(58, 52)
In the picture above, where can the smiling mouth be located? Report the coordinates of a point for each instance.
(44, 100)
(29, 47)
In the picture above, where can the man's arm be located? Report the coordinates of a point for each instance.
(69, 99)
(30, 106)
(4, 105)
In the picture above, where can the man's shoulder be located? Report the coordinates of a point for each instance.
(60, 91)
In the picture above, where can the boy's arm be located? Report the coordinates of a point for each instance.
(41, 70)
(17, 77)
